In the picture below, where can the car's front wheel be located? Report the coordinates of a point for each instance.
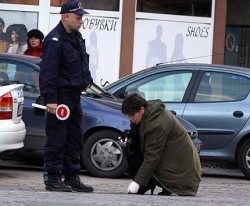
(244, 158)
(102, 155)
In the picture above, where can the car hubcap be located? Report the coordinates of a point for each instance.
(248, 158)
(106, 154)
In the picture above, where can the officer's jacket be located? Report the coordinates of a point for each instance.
(168, 151)
(64, 65)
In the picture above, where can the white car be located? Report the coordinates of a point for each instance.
(12, 128)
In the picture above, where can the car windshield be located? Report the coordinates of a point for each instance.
(96, 91)
(125, 78)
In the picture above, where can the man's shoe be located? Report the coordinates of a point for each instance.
(165, 192)
(76, 184)
(55, 183)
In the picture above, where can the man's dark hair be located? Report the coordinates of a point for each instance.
(133, 103)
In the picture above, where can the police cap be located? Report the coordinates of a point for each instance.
(73, 6)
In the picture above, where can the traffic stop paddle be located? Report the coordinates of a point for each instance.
(62, 110)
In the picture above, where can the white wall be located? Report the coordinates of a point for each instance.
(171, 39)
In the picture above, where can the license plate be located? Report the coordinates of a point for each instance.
(20, 110)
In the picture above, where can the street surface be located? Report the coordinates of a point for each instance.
(24, 186)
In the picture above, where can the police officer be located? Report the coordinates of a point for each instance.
(64, 75)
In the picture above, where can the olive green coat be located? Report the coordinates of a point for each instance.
(169, 154)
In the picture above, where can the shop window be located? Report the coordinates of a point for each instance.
(107, 5)
(15, 25)
(31, 2)
(180, 7)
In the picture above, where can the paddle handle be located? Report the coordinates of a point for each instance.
(39, 106)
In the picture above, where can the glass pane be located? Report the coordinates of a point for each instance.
(204, 91)
(14, 34)
(31, 2)
(176, 7)
(4, 76)
(107, 5)
(29, 78)
(221, 87)
(12, 71)
(169, 87)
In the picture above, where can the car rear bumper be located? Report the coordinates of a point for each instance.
(11, 136)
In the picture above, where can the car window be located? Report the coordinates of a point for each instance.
(167, 86)
(221, 87)
(3, 71)
(17, 72)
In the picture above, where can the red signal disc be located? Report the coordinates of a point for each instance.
(62, 112)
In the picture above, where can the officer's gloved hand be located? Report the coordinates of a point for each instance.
(123, 142)
(133, 188)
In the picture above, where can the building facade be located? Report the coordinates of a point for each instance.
(125, 36)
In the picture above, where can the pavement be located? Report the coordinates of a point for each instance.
(221, 172)
(24, 187)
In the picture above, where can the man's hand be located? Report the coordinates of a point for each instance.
(123, 143)
(133, 187)
(52, 108)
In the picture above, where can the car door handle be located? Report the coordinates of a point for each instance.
(238, 114)
(173, 112)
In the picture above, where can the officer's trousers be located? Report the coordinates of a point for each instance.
(64, 138)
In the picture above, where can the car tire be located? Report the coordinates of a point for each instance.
(244, 158)
(102, 155)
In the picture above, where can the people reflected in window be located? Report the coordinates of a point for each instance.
(3, 72)
(35, 39)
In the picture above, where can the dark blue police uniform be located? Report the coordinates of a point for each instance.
(64, 74)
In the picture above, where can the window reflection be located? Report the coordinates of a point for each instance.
(222, 87)
(20, 73)
(167, 86)
(176, 7)
(107, 5)
(14, 26)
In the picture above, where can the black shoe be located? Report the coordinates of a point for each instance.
(142, 190)
(55, 183)
(165, 192)
(77, 185)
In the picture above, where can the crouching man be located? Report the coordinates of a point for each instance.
(169, 158)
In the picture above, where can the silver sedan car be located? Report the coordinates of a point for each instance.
(214, 98)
